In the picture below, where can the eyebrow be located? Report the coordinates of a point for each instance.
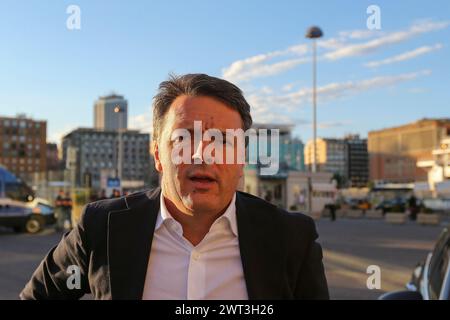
(191, 130)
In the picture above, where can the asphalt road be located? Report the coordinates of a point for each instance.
(350, 246)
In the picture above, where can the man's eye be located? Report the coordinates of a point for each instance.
(178, 139)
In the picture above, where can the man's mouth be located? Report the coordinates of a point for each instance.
(202, 180)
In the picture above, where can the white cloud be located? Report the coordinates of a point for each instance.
(257, 66)
(405, 56)
(360, 34)
(288, 87)
(333, 124)
(280, 105)
(418, 90)
(385, 40)
(142, 122)
(267, 90)
(335, 48)
(338, 89)
(332, 43)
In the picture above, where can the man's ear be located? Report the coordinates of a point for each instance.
(241, 171)
(155, 152)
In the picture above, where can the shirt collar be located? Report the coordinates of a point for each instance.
(229, 214)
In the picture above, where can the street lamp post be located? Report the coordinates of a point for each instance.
(314, 33)
(120, 112)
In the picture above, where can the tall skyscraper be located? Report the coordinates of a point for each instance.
(105, 115)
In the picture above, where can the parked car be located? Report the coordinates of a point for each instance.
(363, 204)
(392, 205)
(431, 278)
(19, 209)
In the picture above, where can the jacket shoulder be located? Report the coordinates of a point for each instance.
(94, 217)
(292, 222)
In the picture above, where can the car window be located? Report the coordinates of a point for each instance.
(438, 266)
(18, 191)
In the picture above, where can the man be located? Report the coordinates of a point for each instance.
(115, 194)
(63, 210)
(103, 195)
(413, 208)
(67, 208)
(196, 237)
(59, 211)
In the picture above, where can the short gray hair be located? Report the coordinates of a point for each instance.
(197, 84)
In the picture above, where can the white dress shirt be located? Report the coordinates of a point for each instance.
(177, 270)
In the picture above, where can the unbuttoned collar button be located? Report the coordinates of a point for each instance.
(195, 255)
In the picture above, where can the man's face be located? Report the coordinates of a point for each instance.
(197, 187)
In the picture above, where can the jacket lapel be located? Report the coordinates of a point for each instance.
(260, 247)
(130, 235)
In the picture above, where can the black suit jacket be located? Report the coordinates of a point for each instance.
(111, 246)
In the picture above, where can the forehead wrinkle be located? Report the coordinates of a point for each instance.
(185, 112)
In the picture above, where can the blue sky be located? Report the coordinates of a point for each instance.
(367, 79)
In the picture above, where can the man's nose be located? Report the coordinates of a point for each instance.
(198, 155)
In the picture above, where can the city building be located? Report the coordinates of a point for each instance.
(438, 170)
(106, 116)
(331, 156)
(294, 154)
(23, 148)
(53, 161)
(92, 157)
(292, 190)
(346, 158)
(394, 152)
(290, 152)
(290, 187)
(358, 161)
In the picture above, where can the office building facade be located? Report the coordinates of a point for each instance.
(23, 148)
(92, 156)
(394, 152)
